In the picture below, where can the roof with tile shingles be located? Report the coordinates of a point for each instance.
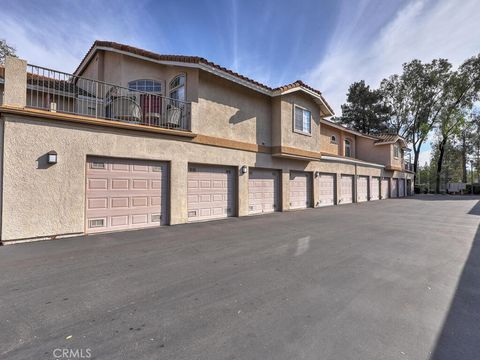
(194, 60)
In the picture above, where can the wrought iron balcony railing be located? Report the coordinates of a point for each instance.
(66, 93)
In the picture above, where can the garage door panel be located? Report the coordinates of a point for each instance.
(97, 203)
(119, 202)
(140, 219)
(384, 188)
(394, 188)
(210, 193)
(263, 190)
(130, 194)
(346, 189)
(375, 189)
(300, 190)
(326, 189)
(362, 189)
(401, 187)
(97, 184)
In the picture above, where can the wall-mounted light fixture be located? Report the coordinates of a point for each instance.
(244, 169)
(52, 157)
(317, 174)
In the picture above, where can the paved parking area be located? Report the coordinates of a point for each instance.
(393, 279)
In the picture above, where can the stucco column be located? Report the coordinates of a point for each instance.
(178, 192)
(15, 92)
(355, 180)
(316, 189)
(285, 190)
(338, 177)
(369, 190)
(242, 192)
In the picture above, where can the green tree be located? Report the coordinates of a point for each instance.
(468, 139)
(459, 94)
(365, 110)
(5, 50)
(425, 93)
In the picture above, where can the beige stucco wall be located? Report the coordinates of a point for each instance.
(396, 162)
(121, 69)
(94, 69)
(293, 139)
(15, 93)
(232, 111)
(326, 146)
(41, 201)
(366, 150)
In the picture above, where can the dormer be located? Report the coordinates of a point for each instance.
(395, 146)
(297, 110)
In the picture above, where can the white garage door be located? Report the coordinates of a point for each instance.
(394, 192)
(362, 189)
(346, 189)
(401, 187)
(375, 188)
(384, 188)
(326, 189)
(125, 194)
(300, 190)
(263, 191)
(210, 192)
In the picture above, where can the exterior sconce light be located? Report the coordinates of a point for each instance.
(244, 169)
(317, 174)
(52, 157)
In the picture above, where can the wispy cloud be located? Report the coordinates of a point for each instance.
(58, 36)
(421, 29)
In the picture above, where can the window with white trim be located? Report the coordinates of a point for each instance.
(333, 139)
(177, 88)
(348, 148)
(303, 120)
(145, 85)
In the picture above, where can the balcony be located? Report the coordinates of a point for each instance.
(60, 92)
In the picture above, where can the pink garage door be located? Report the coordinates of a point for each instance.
(326, 189)
(125, 194)
(263, 191)
(394, 192)
(300, 190)
(401, 187)
(375, 188)
(346, 189)
(362, 188)
(210, 192)
(384, 188)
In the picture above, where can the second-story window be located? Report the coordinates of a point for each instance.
(145, 85)
(177, 88)
(348, 148)
(303, 120)
(396, 151)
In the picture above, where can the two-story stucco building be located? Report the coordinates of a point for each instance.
(134, 139)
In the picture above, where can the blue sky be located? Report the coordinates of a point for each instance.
(328, 44)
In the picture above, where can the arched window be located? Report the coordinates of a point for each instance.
(333, 139)
(177, 88)
(145, 85)
(348, 148)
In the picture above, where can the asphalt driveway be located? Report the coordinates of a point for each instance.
(393, 279)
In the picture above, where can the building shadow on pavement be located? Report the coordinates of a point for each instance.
(460, 336)
(437, 197)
